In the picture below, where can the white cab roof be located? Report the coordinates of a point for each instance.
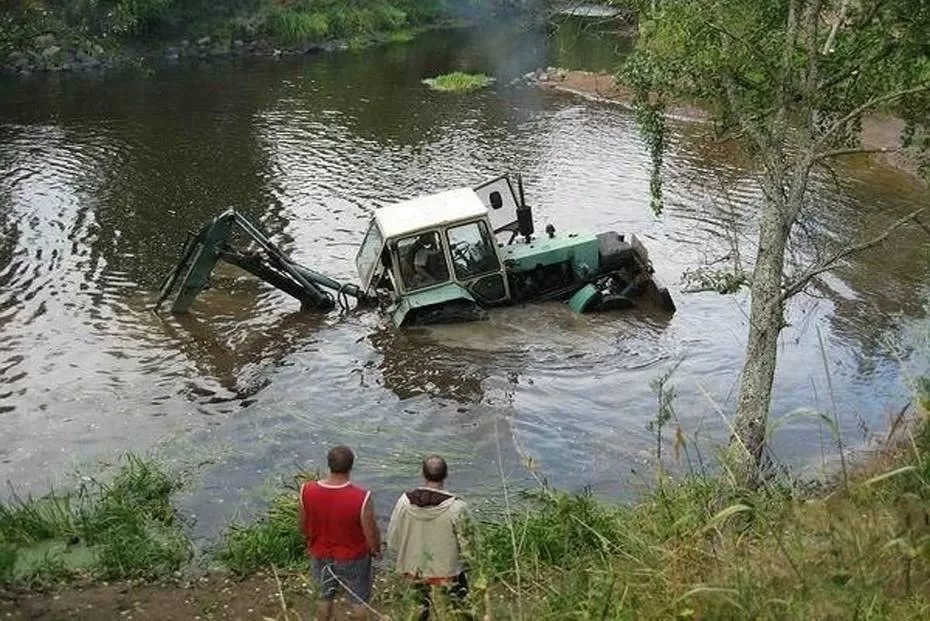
(428, 211)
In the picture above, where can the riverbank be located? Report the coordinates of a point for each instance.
(691, 548)
(48, 36)
(881, 132)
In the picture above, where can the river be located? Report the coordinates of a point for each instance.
(101, 177)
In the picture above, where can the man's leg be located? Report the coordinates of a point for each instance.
(323, 575)
(359, 577)
(324, 611)
(425, 599)
(458, 591)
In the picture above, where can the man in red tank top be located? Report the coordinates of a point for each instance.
(337, 519)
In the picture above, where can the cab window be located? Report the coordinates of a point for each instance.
(422, 261)
(472, 249)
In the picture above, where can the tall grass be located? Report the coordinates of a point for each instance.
(274, 539)
(305, 22)
(124, 527)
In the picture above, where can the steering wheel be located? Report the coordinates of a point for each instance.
(460, 252)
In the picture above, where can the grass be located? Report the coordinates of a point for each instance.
(272, 540)
(124, 527)
(459, 82)
(691, 548)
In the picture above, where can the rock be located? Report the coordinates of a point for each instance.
(172, 53)
(204, 41)
(335, 46)
(51, 52)
(185, 43)
(219, 50)
(238, 43)
(44, 41)
(19, 61)
(312, 48)
(97, 49)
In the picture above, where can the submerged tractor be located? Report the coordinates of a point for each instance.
(441, 258)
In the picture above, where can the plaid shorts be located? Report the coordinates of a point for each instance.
(355, 577)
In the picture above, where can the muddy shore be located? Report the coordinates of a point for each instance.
(879, 131)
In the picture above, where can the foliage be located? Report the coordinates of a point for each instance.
(125, 527)
(695, 549)
(274, 539)
(789, 80)
(459, 82)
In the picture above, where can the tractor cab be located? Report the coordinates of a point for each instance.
(436, 258)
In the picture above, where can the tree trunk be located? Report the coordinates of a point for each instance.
(766, 319)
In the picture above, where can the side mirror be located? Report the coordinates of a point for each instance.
(496, 201)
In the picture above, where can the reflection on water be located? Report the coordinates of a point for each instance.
(101, 178)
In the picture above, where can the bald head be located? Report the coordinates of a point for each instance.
(435, 469)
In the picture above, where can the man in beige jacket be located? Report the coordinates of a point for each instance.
(427, 533)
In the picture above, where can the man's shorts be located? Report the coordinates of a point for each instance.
(354, 577)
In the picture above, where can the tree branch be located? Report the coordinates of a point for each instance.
(859, 110)
(828, 45)
(830, 262)
(853, 151)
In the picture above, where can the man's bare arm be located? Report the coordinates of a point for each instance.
(302, 514)
(370, 528)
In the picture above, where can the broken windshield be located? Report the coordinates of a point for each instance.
(367, 256)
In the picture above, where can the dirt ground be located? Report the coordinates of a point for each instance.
(879, 131)
(207, 599)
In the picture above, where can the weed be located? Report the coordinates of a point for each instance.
(8, 556)
(293, 27)
(125, 527)
(274, 539)
(459, 82)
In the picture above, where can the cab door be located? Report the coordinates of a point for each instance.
(476, 264)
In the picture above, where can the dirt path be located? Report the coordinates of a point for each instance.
(879, 131)
(209, 598)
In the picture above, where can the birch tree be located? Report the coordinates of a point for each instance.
(791, 80)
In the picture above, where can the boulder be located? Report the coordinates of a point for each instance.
(204, 41)
(238, 43)
(18, 61)
(335, 46)
(50, 52)
(44, 41)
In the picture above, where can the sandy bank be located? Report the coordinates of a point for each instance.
(879, 131)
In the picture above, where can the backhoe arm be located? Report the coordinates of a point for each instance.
(213, 243)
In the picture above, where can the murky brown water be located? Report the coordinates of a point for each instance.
(101, 177)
